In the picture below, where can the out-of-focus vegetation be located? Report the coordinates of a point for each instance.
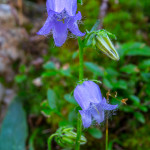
(44, 89)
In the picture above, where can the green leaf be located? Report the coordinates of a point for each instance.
(127, 108)
(140, 117)
(32, 139)
(75, 54)
(130, 68)
(94, 68)
(96, 133)
(72, 117)
(70, 99)
(111, 142)
(20, 78)
(145, 64)
(66, 72)
(14, 130)
(134, 49)
(111, 35)
(112, 72)
(145, 76)
(135, 99)
(143, 108)
(107, 83)
(49, 65)
(52, 99)
(89, 39)
(49, 73)
(139, 49)
(95, 27)
(22, 68)
(80, 1)
(120, 84)
(45, 109)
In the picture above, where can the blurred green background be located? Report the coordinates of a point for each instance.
(44, 77)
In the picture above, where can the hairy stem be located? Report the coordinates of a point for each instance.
(79, 121)
(80, 59)
(106, 148)
(50, 141)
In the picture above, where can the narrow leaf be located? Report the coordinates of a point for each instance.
(70, 99)
(96, 133)
(94, 68)
(51, 96)
(140, 117)
(13, 133)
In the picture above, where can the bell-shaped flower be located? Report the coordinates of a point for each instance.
(61, 18)
(89, 97)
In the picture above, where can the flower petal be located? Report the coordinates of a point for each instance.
(73, 26)
(71, 7)
(59, 5)
(60, 32)
(94, 90)
(55, 5)
(47, 27)
(86, 118)
(97, 113)
(87, 93)
(82, 97)
(107, 106)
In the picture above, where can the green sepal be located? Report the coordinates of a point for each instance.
(80, 1)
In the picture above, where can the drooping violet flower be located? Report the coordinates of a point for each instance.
(61, 18)
(89, 97)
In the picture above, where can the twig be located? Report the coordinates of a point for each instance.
(20, 6)
(102, 12)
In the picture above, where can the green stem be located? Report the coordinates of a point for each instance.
(79, 121)
(107, 133)
(106, 148)
(80, 59)
(50, 140)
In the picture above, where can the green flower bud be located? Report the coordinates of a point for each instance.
(101, 41)
(66, 137)
(104, 44)
(67, 140)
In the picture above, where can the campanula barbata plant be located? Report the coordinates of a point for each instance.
(62, 18)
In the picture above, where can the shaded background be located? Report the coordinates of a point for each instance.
(37, 78)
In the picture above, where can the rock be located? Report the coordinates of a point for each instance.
(37, 82)
(9, 96)
(11, 39)
(37, 62)
(7, 14)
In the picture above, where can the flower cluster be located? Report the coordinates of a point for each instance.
(89, 97)
(61, 18)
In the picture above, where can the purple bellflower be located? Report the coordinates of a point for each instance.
(61, 18)
(89, 97)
